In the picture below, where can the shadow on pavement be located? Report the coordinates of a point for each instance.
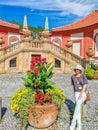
(3, 111)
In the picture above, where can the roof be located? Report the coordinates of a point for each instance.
(89, 20)
(10, 25)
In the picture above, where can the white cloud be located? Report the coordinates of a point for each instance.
(76, 7)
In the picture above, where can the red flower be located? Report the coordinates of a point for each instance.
(42, 102)
(37, 91)
(33, 63)
(29, 71)
(40, 60)
(50, 100)
(36, 71)
(43, 59)
(42, 98)
(37, 97)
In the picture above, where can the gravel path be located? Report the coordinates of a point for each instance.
(9, 83)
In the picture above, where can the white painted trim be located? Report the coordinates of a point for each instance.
(77, 36)
(95, 32)
(13, 34)
(56, 43)
(59, 37)
(96, 47)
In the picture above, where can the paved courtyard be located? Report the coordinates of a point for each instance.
(9, 83)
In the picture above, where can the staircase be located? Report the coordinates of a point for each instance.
(24, 49)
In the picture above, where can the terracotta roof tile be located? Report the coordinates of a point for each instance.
(10, 25)
(89, 20)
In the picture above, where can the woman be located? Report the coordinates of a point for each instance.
(79, 82)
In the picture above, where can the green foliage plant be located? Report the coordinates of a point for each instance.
(93, 66)
(38, 89)
(89, 72)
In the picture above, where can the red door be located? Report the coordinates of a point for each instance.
(33, 57)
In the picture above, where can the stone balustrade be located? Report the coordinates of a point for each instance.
(27, 45)
(40, 44)
(11, 48)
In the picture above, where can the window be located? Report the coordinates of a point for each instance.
(13, 41)
(76, 48)
(96, 49)
(12, 62)
(57, 63)
(56, 42)
(97, 43)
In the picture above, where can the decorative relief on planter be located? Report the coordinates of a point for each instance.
(95, 75)
(44, 116)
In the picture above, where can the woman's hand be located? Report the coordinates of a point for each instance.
(80, 96)
(83, 90)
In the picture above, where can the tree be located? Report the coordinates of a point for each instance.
(30, 27)
(14, 22)
(35, 29)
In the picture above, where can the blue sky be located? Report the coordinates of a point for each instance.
(59, 12)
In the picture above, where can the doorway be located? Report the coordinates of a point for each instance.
(33, 57)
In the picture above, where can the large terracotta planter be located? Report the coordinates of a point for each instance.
(44, 116)
(95, 75)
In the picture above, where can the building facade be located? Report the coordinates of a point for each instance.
(9, 33)
(17, 48)
(82, 34)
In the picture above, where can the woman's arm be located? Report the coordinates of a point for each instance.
(83, 90)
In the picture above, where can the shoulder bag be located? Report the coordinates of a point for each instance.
(88, 96)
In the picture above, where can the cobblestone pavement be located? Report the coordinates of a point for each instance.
(9, 83)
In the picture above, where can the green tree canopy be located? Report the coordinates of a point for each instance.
(31, 28)
(14, 22)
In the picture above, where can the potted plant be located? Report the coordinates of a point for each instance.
(92, 71)
(89, 72)
(39, 101)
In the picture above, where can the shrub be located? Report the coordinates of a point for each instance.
(89, 72)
